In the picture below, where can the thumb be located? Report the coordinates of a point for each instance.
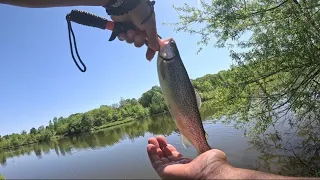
(149, 27)
(152, 34)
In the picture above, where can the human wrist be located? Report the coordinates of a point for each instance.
(227, 171)
(216, 170)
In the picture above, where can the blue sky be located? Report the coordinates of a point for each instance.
(39, 79)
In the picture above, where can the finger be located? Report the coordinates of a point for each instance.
(154, 142)
(128, 41)
(152, 36)
(130, 36)
(171, 151)
(152, 153)
(162, 141)
(168, 150)
(171, 148)
(171, 154)
(139, 39)
(153, 157)
(138, 15)
(160, 153)
(122, 37)
(150, 54)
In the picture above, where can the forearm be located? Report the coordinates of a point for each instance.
(229, 172)
(53, 3)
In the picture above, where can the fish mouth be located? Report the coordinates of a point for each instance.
(165, 57)
(163, 43)
(167, 47)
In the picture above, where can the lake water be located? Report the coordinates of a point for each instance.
(118, 152)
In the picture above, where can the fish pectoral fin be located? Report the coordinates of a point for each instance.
(198, 97)
(162, 71)
(207, 135)
(185, 142)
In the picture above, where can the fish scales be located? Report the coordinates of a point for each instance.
(180, 96)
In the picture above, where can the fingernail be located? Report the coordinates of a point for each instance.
(121, 37)
(149, 57)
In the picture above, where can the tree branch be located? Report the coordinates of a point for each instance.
(270, 9)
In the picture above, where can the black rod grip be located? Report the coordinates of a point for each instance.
(87, 19)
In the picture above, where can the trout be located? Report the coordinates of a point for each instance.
(182, 99)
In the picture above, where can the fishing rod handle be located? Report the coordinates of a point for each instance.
(88, 19)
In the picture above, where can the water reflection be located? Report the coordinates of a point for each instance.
(289, 151)
(160, 124)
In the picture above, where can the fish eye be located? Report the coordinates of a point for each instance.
(164, 54)
(172, 42)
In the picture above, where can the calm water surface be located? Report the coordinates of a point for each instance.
(118, 152)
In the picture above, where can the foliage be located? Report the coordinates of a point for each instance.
(151, 102)
(275, 75)
(161, 124)
(1, 177)
(275, 48)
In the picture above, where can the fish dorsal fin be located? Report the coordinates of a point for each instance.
(185, 142)
(198, 97)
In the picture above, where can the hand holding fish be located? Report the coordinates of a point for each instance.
(142, 12)
(212, 164)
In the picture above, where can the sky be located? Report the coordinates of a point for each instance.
(39, 80)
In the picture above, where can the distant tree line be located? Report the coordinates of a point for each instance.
(150, 103)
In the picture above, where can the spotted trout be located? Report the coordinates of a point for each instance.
(182, 99)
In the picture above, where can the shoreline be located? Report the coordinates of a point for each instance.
(92, 130)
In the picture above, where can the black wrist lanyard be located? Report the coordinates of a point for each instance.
(88, 19)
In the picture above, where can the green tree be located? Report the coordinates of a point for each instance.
(146, 98)
(51, 126)
(33, 131)
(157, 104)
(24, 132)
(40, 129)
(275, 49)
(86, 122)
